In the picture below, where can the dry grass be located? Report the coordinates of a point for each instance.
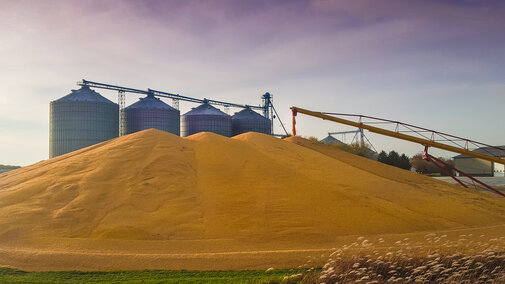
(479, 260)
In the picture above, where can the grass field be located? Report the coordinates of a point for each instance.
(8, 275)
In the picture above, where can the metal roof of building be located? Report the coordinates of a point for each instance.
(331, 140)
(490, 151)
(248, 113)
(84, 94)
(205, 109)
(150, 102)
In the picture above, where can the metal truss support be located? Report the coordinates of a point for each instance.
(449, 169)
(267, 107)
(175, 103)
(121, 102)
(419, 135)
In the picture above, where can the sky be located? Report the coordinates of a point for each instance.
(437, 64)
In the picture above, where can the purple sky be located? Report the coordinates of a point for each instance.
(438, 64)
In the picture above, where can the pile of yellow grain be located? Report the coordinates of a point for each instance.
(152, 185)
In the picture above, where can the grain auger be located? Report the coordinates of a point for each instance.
(426, 137)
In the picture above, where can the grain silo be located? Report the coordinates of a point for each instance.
(205, 118)
(80, 119)
(248, 120)
(151, 112)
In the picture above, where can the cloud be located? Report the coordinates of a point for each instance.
(353, 55)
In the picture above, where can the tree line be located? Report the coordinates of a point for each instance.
(8, 167)
(393, 158)
(415, 163)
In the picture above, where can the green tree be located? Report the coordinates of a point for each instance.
(383, 157)
(404, 162)
(393, 159)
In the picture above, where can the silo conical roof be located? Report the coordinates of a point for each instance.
(84, 94)
(248, 113)
(151, 112)
(331, 140)
(248, 120)
(81, 119)
(206, 118)
(150, 102)
(205, 109)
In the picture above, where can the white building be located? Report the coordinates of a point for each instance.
(478, 167)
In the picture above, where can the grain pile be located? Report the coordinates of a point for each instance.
(151, 188)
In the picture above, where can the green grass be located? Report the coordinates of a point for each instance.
(8, 275)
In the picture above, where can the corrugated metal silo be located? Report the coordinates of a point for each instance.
(248, 120)
(206, 118)
(81, 119)
(151, 112)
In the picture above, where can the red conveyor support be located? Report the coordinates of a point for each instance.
(443, 166)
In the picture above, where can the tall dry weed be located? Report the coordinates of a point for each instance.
(436, 259)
